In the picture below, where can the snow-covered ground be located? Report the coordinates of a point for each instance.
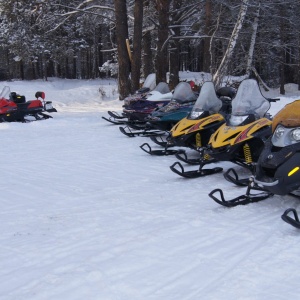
(86, 214)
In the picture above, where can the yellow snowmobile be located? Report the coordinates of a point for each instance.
(241, 139)
(194, 131)
(207, 114)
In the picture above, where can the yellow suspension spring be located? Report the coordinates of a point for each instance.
(247, 154)
(206, 156)
(198, 140)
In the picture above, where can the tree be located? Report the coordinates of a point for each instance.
(137, 45)
(223, 67)
(123, 57)
(161, 63)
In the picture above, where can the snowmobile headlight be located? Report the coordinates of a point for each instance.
(236, 120)
(296, 134)
(280, 136)
(285, 136)
(196, 114)
(279, 132)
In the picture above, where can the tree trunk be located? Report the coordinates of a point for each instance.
(282, 51)
(123, 58)
(163, 7)
(147, 59)
(252, 42)
(175, 50)
(207, 31)
(137, 45)
(223, 67)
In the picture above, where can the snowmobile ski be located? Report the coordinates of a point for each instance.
(146, 147)
(115, 115)
(41, 116)
(157, 139)
(243, 199)
(195, 173)
(232, 176)
(294, 221)
(137, 125)
(113, 121)
(145, 133)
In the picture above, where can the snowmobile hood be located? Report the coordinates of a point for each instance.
(172, 109)
(158, 96)
(187, 126)
(230, 135)
(288, 116)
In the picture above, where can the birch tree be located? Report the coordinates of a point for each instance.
(252, 42)
(223, 67)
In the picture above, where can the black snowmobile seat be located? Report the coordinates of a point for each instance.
(13, 96)
(226, 91)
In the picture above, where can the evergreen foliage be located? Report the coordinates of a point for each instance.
(78, 39)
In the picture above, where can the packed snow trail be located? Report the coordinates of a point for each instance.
(87, 214)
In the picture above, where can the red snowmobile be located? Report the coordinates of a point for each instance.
(15, 108)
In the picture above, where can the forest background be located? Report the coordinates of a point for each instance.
(133, 38)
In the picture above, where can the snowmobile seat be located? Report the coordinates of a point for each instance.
(226, 105)
(226, 91)
(143, 90)
(40, 94)
(13, 96)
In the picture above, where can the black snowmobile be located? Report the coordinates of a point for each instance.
(138, 106)
(241, 139)
(278, 168)
(148, 85)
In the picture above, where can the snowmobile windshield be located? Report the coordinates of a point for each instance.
(5, 92)
(150, 82)
(183, 93)
(248, 100)
(162, 87)
(207, 101)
